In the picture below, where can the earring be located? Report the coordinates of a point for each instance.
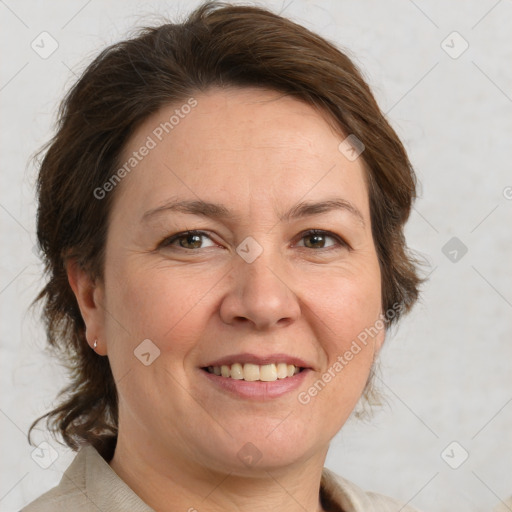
(95, 344)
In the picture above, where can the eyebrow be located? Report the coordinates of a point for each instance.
(219, 211)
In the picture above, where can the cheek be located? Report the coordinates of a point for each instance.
(345, 304)
(164, 305)
(347, 312)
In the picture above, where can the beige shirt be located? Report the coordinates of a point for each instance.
(91, 485)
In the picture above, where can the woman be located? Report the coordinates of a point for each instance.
(221, 213)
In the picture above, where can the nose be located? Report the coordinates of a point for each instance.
(259, 296)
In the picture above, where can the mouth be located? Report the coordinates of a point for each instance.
(256, 377)
(251, 372)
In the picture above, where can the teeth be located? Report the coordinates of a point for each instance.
(282, 371)
(253, 372)
(268, 372)
(237, 371)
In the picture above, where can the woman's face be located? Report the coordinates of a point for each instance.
(253, 171)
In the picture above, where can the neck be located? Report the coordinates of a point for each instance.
(171, 483)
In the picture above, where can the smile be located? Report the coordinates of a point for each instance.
(250, 372)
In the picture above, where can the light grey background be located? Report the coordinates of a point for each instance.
(446, 372)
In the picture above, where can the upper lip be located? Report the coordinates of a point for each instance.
(259, 360)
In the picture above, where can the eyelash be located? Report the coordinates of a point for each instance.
(311, 232)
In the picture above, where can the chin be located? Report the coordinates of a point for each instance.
(252, 450)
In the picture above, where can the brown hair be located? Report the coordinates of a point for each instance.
(217, 45)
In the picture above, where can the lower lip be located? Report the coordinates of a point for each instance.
(257, 390)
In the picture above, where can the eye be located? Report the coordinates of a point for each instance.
(318, 239)
(187, 240)
(311, 239)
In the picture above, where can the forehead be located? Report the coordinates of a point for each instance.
(246, 147)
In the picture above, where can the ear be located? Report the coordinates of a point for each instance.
(89, 294)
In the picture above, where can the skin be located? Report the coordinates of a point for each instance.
(258, 153)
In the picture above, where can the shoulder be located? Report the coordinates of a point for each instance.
(503, 506)
(89, 484)
(69, 493)
(351, 498)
